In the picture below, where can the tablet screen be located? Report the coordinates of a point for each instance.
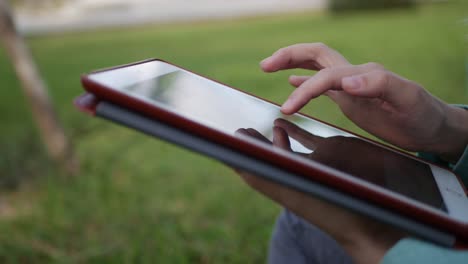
(222, 108)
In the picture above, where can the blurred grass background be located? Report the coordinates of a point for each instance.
(142, 200)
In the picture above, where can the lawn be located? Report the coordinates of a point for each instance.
(142, 200)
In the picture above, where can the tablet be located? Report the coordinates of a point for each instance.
(321, 153)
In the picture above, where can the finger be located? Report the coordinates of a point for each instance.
(241, 131)
(252, 133)
(257, 135)
(312, 56)
(281, 138)
(307, 139)
(324, 80)
(320, 83)
(340, 97)
(332, 94)
(296, 81)
(384, 85)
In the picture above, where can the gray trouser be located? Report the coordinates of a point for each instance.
(295, 241)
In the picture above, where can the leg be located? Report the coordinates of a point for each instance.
(295, 241)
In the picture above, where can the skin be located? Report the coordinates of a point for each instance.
(391, 107)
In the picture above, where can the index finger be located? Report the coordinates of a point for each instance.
(325, 80)
(312, 56)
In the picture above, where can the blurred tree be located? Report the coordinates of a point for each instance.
(343, 5)
(34, 88)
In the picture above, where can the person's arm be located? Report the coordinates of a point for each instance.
(395, 109)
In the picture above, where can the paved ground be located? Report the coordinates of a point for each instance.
(86, 14)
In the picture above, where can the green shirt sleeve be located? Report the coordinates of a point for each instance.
(415, 251)
(461, 167)
(411, 250)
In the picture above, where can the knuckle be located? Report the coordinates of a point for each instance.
(374, 66)
(319, 46)
(326, 72)
(282, 52)
(381, 77)
(419, 91)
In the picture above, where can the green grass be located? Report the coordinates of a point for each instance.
(141, 200)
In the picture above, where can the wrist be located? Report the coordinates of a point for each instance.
(453, 135)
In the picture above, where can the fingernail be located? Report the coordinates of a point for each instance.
(352, 82)
(286, 107)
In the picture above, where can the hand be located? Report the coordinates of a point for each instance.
(365, 240)
(373, 164)
(392, 108)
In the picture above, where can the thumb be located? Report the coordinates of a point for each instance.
(381, 84)
(281, 138)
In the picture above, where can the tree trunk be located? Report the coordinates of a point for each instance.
(34, 88)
